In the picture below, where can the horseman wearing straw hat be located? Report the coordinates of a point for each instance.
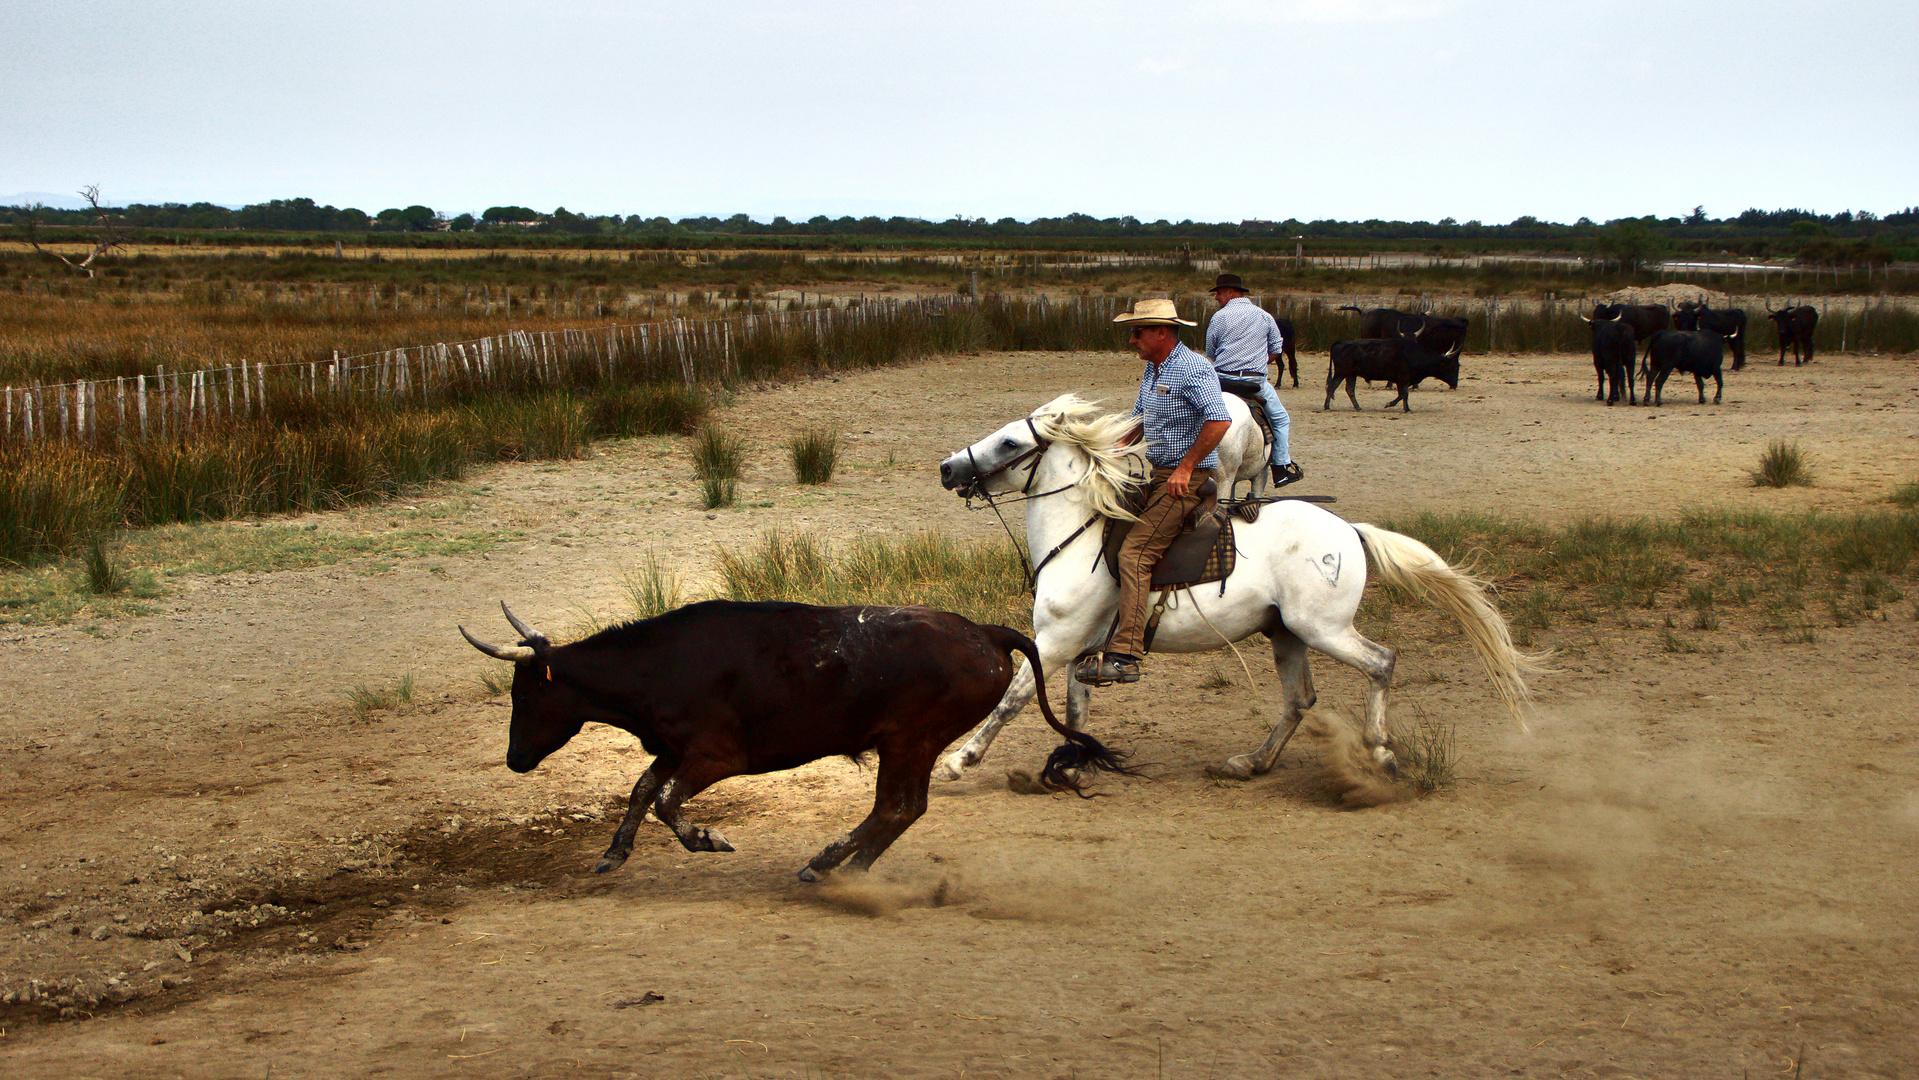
(1242, 339)
(1182, 419)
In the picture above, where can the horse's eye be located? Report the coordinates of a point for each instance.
(1008, 443)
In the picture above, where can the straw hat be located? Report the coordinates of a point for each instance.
(1153, 313)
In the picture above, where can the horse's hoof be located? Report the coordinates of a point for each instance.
(1239, 767)
(609, 864)
(711, 840)
(809, 875)
(1021, 782)
(948, 770)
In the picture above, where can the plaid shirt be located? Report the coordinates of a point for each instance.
(1240, 337)
(1176, 399)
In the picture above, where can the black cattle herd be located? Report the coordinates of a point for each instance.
(1403, 349)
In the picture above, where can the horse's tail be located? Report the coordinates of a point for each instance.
(1411, 565)
(1080, 750)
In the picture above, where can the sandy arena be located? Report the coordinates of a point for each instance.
(1698, 865)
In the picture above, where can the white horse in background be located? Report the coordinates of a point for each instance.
(1299, 578)
(1242, 453)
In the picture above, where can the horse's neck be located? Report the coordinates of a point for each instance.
(1052, 518)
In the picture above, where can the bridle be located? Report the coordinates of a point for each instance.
(1040, 446)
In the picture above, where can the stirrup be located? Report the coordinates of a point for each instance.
(1105, 669)
(1287, 474)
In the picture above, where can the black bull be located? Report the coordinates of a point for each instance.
(1614, 351)
(1729, 323)
(1441, 334)
(1795, 326)
(1696, 352)
(724, 689)
(1645, 319)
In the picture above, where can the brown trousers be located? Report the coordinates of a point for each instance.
(1158, 526)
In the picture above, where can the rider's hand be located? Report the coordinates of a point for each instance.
(1180, 484)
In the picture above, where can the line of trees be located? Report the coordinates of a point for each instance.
(1837, 236)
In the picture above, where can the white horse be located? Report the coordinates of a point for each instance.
(1242, 453)
(1299, 578)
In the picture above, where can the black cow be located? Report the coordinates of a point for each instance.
(1729, 323)
(1795, 326)
(1377, 324)
(1401, 361)
(1614, 351)
(723, 689)
(1696, 352)
(1442, 335)
(1287, 337)
(1433, 331)
(1645, 319)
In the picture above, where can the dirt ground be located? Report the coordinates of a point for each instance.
(1696, 865)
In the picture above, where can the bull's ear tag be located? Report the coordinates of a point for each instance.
(548, 668)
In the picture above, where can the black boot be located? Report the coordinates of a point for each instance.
(1113, 668)
(1287, 474)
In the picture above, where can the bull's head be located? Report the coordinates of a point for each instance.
(546, 712)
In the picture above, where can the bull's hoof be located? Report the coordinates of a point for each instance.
(706, 838)
(1237, 767)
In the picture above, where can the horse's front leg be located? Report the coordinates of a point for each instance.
(1060, 638)
(971, 752)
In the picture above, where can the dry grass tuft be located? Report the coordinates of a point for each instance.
(1782, 465)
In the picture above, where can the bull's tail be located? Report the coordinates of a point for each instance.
(1411, 565)
(1080, 750)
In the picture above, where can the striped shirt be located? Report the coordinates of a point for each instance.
(1176, 398)
(1240, 337)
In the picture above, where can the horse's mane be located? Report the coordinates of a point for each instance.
(1079, 423)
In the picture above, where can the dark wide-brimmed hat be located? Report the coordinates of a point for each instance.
(1229, 281)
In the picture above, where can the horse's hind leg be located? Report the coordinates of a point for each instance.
(1296, 696)
(1375, 661)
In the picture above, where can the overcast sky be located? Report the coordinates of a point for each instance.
(1409, 109)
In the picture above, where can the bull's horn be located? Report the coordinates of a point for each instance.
(1582, 318)
(515, 654)
(527, 633)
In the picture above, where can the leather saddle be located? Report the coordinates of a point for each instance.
(1202, 553)
(1247, 390)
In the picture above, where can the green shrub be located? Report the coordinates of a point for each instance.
(103, 574)
(816, 452)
